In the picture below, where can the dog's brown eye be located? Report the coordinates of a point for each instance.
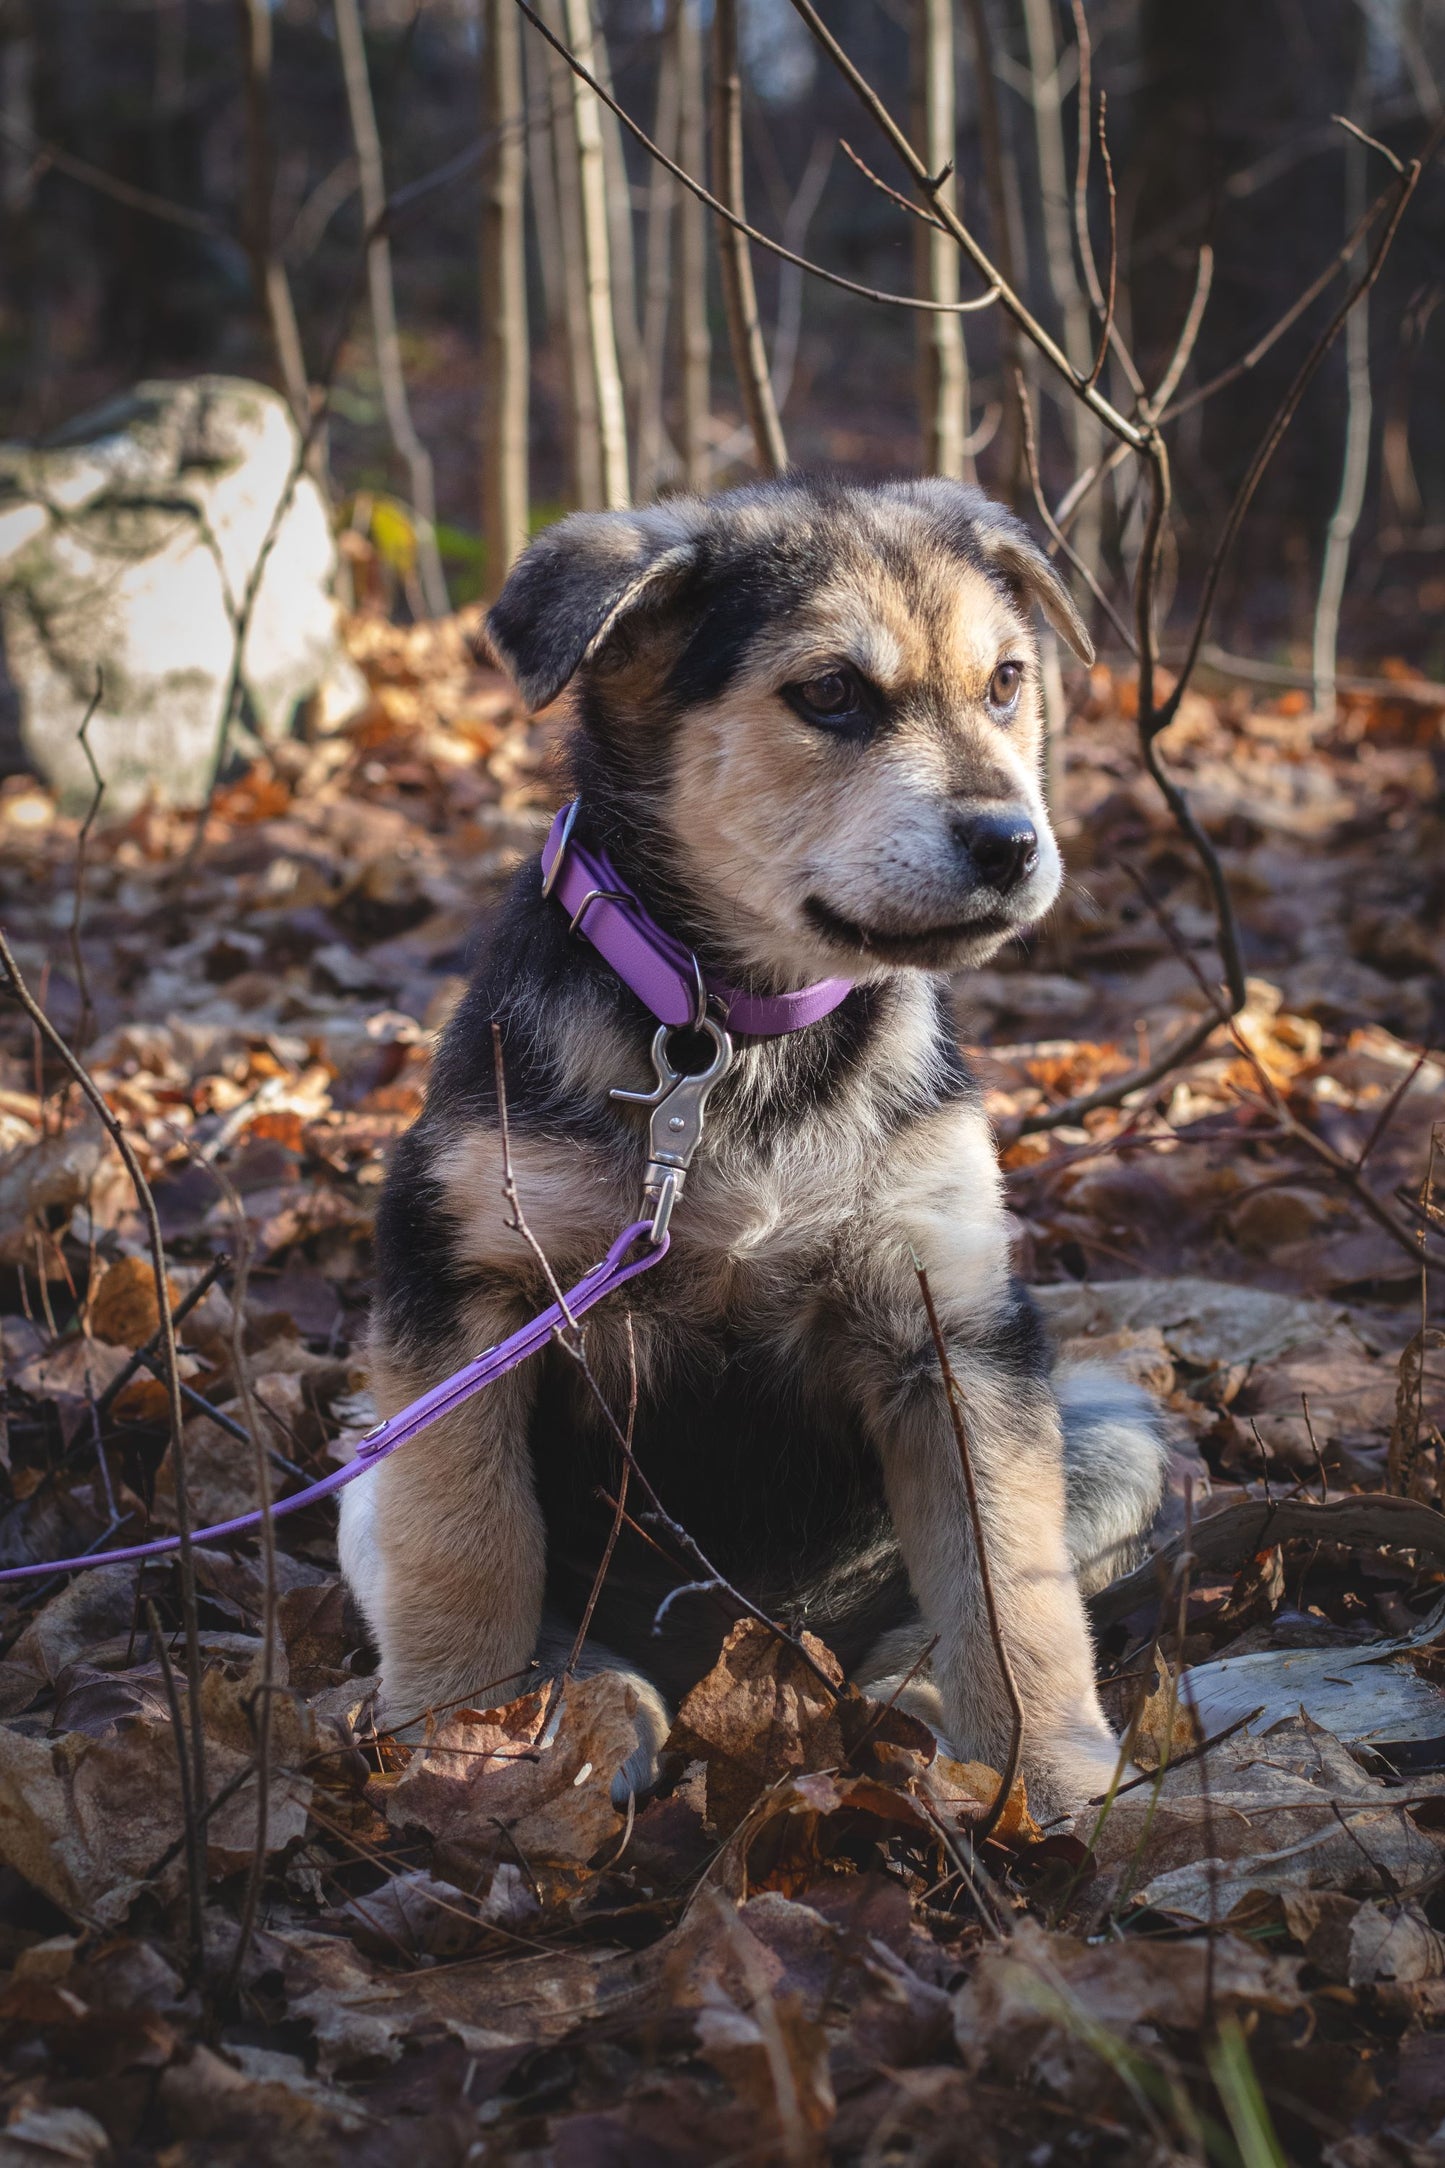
(836, 700)
(832, 694)
(1004, 684)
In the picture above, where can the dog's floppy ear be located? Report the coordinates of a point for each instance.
(980, 528)
(1008, 544)
(571, 586)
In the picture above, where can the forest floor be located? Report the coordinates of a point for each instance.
(459, 1950)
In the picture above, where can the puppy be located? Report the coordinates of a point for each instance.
(806, 729)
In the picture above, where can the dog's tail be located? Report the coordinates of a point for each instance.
(1115, 1461)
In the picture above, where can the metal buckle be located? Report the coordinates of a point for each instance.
(593, 895)
(678, 1103)
(553, 872)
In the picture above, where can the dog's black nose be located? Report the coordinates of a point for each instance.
(1003, 848)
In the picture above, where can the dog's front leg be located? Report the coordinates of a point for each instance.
(444, 1547)
(941, 1206)
(1012, 1430)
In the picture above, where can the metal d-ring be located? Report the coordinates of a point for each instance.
(593, 895)
(699, 1008)
(553, 872)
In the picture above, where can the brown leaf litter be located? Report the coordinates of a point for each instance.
(794, 1951)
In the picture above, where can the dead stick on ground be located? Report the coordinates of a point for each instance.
(1010, 1685)
(1224, 1540)
(116, 1133)
(194, 1840)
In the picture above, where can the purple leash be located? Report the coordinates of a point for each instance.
(613, 1272)
(670, 980)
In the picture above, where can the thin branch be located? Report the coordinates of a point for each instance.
(106, 184)
(1188, 334)
(1110, 292)
(990, 1603)
(1347, 1170)
(1061, 540)
(705, 196)
(1102, 297)
(193, 1842)
(261, 1724)
(82, 977)
(143, 1356)
(1373, 143)
(618, 1516)
(1390, 1109)
(1072, 1111)
(115, 1131)
(919, 211)
(1342, 257)
(926, 184)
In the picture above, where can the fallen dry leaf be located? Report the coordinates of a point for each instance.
(759, 1715)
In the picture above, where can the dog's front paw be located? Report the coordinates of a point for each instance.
(1077, 1769)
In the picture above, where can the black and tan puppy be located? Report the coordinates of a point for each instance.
(807, 731)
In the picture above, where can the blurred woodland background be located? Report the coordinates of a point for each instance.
(188, 185)
(309, 311)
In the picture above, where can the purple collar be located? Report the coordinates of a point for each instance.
(664, 975)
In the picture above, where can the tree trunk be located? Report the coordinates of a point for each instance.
(601, 333)
(268, 274)
(653, 452)
(585, 440)
(1085, 433)
(542, 177)
(942, 360)
(620, 241)
(1001, 189)
(504, 297)
(408, 444)
(1356, 466)
(696, 444)
(740, 299)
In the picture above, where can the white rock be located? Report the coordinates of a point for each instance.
(128, 546)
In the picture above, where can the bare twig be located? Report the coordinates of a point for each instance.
(194, 1842)
(1061, 540)
(264, 1695)
(116, 1132)
(705, 196)
(107, 184)
(144, 1355)
(619, 1513)
(1347, 1170)
(82, 977)
(923, 180)
(954, 1399)
(1106, 333)
(1101, 296)
(1283, 416)
(1373, 143)
(1389, 1110)
(1255, 354)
